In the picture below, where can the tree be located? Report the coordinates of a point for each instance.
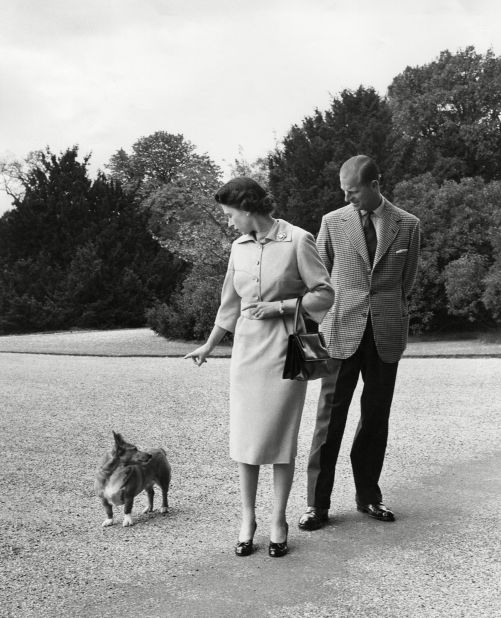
(464, 287)
(14, 173)
(50, 212)
(447, 116)
(175, 187)
(76, 252)
(257, 170)
(189, 222)
(304, 169)
(457, 248)
(158, 160)
(491, 296)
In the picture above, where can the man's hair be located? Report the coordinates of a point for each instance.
(366, 168)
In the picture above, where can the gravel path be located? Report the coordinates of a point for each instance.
(440, 558)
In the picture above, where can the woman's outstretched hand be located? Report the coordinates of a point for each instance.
(264, 310)
(199, 355)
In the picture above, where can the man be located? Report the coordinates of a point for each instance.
(371, 249)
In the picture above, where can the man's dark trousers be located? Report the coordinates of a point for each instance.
(369, 444)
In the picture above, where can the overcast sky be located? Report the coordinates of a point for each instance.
(224, 73)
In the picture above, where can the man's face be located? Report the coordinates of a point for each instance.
(363, 197)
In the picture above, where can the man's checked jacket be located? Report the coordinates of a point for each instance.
(381, 292)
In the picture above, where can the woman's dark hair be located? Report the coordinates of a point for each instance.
(245, 194)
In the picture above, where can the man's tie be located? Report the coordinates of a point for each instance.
(370, 236)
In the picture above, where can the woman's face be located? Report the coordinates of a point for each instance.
(239, 219)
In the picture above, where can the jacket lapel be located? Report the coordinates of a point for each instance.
(388, 230)
(352, 226)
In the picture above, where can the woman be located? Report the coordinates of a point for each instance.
(270, 266)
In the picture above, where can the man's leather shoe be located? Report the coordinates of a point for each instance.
(313, 518)
(377, 510)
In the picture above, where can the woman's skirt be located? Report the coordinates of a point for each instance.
(265, 409)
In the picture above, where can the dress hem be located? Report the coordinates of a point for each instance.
(263, 463)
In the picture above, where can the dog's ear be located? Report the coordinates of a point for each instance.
(118, 439)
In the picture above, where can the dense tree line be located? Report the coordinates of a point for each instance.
(147, 238)
(77, 253)
(437, 138)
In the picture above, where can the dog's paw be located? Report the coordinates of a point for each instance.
(127, 521)
(164, 509)
(147, 510)
(107, 522)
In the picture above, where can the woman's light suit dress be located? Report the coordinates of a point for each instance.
(265, 410)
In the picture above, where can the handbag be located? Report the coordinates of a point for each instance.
(307, 357)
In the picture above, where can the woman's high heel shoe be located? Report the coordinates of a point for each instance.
(245, 548)
(277, 550)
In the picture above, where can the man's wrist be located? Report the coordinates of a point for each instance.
(281, 307)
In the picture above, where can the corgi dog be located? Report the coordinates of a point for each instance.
(126, 472)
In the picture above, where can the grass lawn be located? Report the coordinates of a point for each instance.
(144, 342)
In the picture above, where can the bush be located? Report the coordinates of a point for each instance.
(457, 222)
(464, 286)
(166, 322)
(192, 311)
(492, 294)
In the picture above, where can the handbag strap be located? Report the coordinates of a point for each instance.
(296, 315)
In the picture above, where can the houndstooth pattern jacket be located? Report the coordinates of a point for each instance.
(382, 291)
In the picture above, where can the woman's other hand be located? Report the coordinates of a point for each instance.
(263, 310)
(200, 355)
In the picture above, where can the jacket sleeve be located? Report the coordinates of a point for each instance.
(411, 264)
(229, 309)
(324, 246)
(320, 295)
